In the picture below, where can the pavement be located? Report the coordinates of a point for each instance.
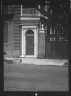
(31, 77)
(61, 62)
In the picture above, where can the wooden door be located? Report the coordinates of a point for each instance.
(30, 43)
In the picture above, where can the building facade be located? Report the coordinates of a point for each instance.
(27, 35)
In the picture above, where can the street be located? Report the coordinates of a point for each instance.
(29, 77)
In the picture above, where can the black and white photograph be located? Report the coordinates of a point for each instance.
(36, 46)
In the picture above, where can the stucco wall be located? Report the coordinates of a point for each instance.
(12, 49)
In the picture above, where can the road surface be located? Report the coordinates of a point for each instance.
(29, 77)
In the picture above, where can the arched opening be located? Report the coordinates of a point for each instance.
(29, 42)
(29, 32)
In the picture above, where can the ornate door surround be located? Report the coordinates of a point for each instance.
(23, 41)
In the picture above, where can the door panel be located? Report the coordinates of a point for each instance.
(30, 44)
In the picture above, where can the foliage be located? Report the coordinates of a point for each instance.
(59, 16)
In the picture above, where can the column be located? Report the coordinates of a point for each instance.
(41, 42)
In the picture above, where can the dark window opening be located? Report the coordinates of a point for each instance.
(5, 9)
(42, 7)
(5, 30)
(56, 35)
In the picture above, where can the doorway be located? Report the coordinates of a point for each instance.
(30, 42)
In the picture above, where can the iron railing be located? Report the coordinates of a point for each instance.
(29, 11)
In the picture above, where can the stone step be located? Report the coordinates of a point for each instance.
(41, 61)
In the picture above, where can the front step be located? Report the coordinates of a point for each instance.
(17, 60)
(44, 61)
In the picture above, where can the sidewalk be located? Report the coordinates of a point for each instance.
(40, 61)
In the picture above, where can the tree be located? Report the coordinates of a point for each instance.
(58, 17)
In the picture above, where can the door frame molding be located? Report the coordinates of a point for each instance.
(23, 40)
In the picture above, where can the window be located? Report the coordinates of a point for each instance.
(5, 9)
(57, 35)
(5, 30)
(42, 7)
